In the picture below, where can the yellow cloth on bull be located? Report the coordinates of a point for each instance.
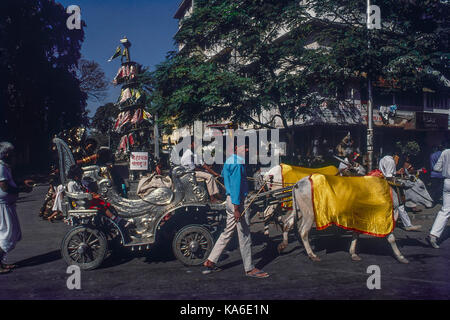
(292, 174)
(362, 204)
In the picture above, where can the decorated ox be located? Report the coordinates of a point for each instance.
(362, 204)
(279, 177)
(417, 193)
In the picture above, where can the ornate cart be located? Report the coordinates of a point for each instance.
(181, 215)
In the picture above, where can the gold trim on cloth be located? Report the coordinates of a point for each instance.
(362, 204)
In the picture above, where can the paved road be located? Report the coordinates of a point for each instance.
(155, 275)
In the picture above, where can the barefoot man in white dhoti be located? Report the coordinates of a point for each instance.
(10, 232)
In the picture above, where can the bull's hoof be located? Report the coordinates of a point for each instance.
(314, 258)
(355, 257)
(402, 259)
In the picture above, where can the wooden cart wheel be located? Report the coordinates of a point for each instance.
(85, 247)
(192, 245)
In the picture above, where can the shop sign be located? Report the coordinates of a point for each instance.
(139, 161)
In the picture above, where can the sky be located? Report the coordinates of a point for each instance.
(148, 24)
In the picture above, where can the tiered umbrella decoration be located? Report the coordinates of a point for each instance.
(134, 123)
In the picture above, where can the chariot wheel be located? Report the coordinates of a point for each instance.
(84, 247)
(192, 245)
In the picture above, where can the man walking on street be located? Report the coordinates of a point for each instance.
(437, 180)
(10, 232)
(442, 165)
(388, 166)
(235, 179)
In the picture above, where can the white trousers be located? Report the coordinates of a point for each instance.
(443, 215)
(404, 216)
(211, 183)
(245, 241)
(57, 204)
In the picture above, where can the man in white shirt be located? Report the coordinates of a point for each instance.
(442, 165)
(189, 161)
(387, 166)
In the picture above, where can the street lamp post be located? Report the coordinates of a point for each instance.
(370, 102)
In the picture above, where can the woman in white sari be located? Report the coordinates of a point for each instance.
(10, 232)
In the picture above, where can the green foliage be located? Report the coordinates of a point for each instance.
(92, 79)
(39, 91)
(410, 148)
(255, 68)
(250, 73)
(104, 118)
(410, 50)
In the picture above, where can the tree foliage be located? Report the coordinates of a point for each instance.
(92, 79)
(409, 52)
(104, 118)
(39, 91)
(292, 57)
(251, 71)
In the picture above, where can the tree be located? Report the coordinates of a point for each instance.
(408, 53)
(104, 117)
(92, 79)
(275, 55)
(39, 89)
(255, 69)
(102, 124)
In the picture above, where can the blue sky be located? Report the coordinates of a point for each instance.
(149, 25)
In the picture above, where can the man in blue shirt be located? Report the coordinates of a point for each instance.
(235, 179)
(437, 180)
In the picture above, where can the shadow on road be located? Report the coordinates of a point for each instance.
(124, 255)
(445, 235)
(268, 254)
(40, 259)
(21, 200)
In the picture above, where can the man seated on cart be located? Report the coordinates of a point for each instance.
(76, 185)
(189, 160)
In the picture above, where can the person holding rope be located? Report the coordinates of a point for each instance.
(387, 166)
(235, 179)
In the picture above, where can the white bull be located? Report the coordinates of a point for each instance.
(416, 193)
(303, 214)
(274, 180)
